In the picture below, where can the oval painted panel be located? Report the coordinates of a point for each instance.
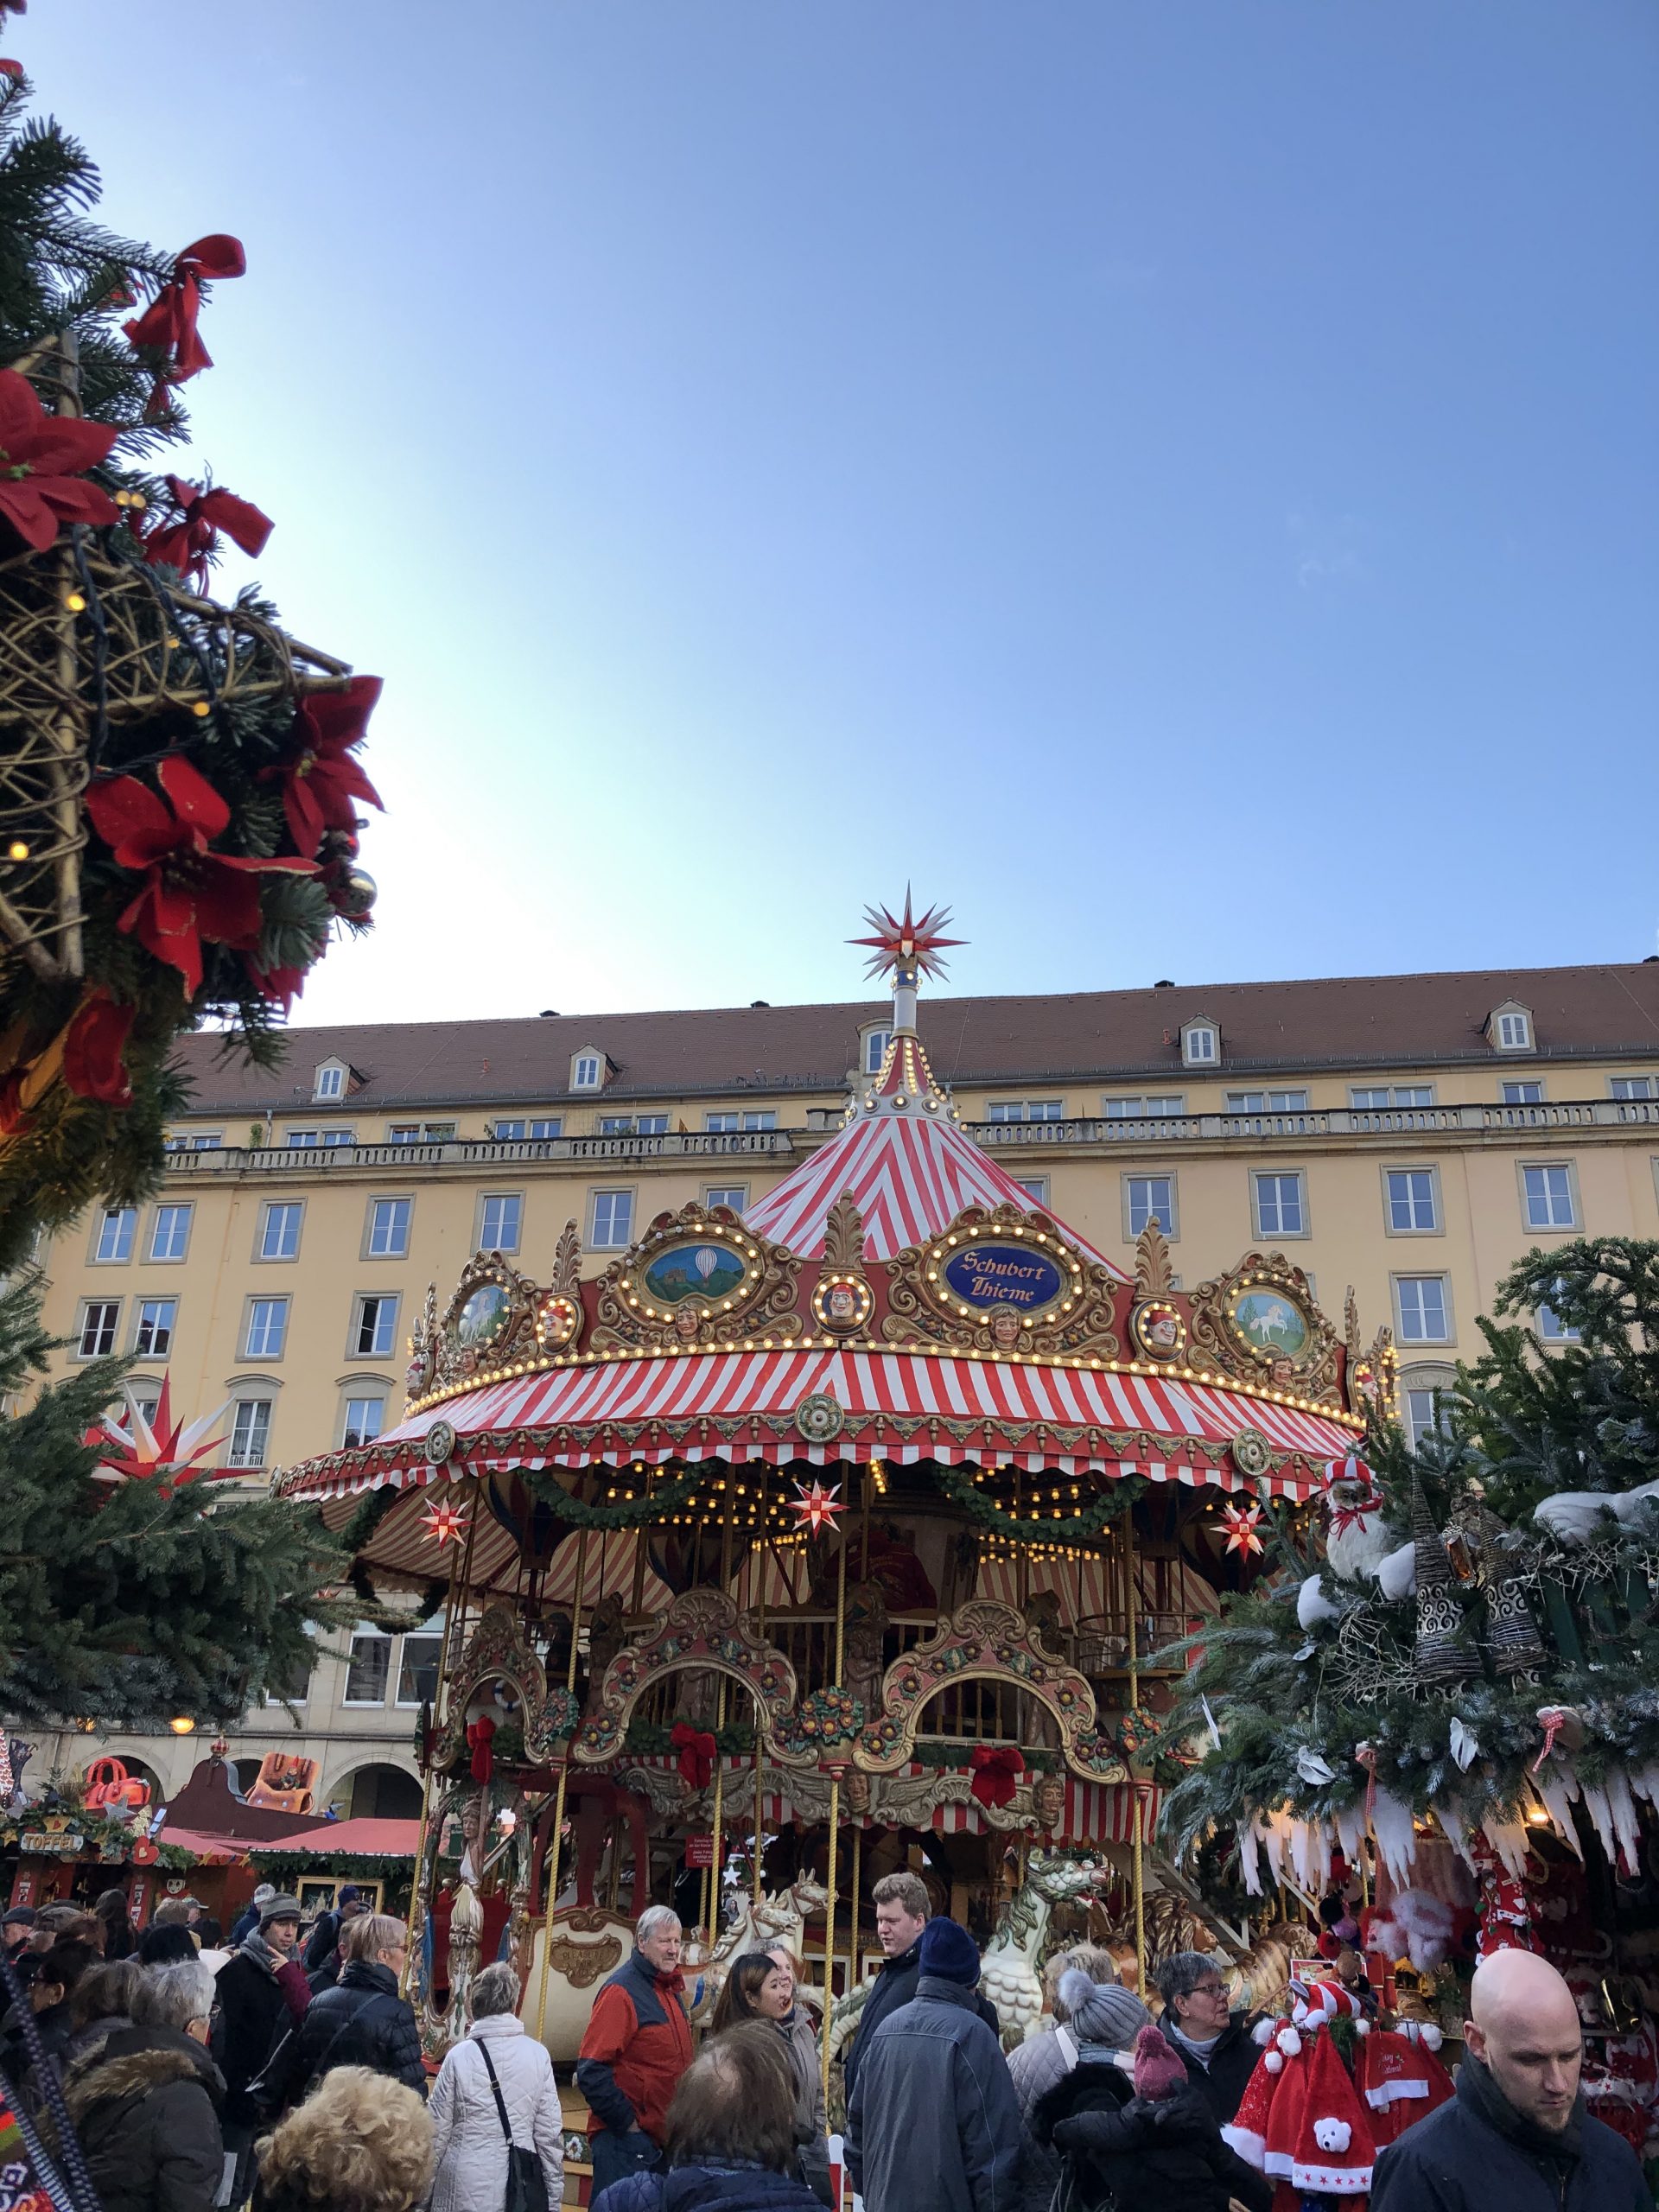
(483, 1316)
(693, 1271)
(1271, 1324)
(987, 1273)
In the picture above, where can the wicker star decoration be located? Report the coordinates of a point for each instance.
(818, 1507)
(906, 941)
(444, 1522)
(1243, 1527)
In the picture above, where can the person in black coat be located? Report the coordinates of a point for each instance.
(901, 1914)
(59, 1971)
(147, 2109)
(1214, 2044)
(363, 2021)
(1162, 2150)
(1517, 2137)
(1101, 2020)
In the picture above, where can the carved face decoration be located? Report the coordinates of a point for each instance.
(1283, 1372)
(1163, 1332)
(1048, 1800)
(840, 1306)
(855, 1788)
(688, 1320)
(1005, 1329)
(415, 1375)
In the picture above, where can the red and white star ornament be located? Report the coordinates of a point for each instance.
(909, 943)
(444, 1522)
(166, 1452)
(817, 1506)
(1243, 1527)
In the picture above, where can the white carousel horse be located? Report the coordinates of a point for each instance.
(779, 1917)
(1007, 1972)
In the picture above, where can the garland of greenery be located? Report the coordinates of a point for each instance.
(367, 1518)
(958, 1485)
(627, 1513)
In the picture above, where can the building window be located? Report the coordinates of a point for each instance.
(169, 1237)
(1424, 1415)
(1424, 1309)
(331, 1081)
(1631, 1086)
(209, 1141)
(1267, 1101)
(1281, 1205)
(1025, 1110)
(1512, 1031)
(499, 1222)
(267, 1328)
(114, 1234)
(584, 1076)
(725, 1124)
(1526, 1091)
(633, 1125)
(279, 1232)
(1553, 1329)
(100, 1319)
(507, 1131)
(1547, 1194)
(404, 1133)
(374, 1325)
(1147, 1199)
(157, 1319)
(249, 1432)
(1035, 1188)
(417, 1668)
(147, 1399)
(613, 1220)
(876, 1042)
(720, 1124)
(540, 1131)
(368, 1668)
(389, 1228)
(300, 1140)
(364, 1418)
(732, 1195)
(419, 1132)
(1200, 1045)
(1141, 1110)
(1377, 1096)
(1412, 1209)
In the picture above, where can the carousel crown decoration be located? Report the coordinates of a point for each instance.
(906, 946)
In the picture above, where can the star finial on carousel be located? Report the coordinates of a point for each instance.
(1243, 1525)
(160, 1451)
(908, 945)
(818, 1507)
(444, 1522)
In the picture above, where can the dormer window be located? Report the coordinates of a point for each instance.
(331, 1080)
(876, 1042)
(1201, 1043)
(1508, 1028)
(588, 1068)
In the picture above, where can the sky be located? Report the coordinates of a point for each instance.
(1176, 482)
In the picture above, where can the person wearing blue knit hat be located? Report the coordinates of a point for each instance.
(933, 2124)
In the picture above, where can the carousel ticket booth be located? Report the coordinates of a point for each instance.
(800, 1547)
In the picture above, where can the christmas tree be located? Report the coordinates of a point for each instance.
(134, 1586)
(178, 779)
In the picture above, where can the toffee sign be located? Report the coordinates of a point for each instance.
(986, 1272)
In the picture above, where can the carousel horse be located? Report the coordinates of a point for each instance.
(1008, 1971)
(779, 1917)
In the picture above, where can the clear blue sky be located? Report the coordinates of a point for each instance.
(1179, 481)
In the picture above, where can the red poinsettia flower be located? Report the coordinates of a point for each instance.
(41, 460)
(92, 1063)
(189, 892)
(168, 325)
(323, 780)
(186, 544)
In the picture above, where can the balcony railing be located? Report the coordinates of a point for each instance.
(1322, 1122)
(487, 1152)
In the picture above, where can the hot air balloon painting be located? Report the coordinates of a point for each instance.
(708, 1271)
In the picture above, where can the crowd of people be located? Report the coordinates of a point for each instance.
(194, 2073)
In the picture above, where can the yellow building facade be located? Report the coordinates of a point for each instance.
(1410, 1136)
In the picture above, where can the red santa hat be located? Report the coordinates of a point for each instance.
(1334, 2149)
(1316, 2003)
(1246, 2131)
(1400, 2080)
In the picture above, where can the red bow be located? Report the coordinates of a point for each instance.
(186, 544)
(480, 1734)
(697, 1749)
(996, 1772)
(168, 325)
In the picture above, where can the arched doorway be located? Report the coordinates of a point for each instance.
(376, 1792)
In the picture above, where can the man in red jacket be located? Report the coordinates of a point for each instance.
(637, 2044)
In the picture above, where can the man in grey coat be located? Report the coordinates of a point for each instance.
(934, 2123)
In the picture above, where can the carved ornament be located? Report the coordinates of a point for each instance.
(1001, 1280)
(984, 1641)
(490, 1320)
(499, 1651)
(1259, 1322)
(695, 1278)
(702, 1629)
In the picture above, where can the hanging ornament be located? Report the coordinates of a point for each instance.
(444, 1522)
(1465, 1748)
(815, 1508)
(1244, 1525)
(164, 1451)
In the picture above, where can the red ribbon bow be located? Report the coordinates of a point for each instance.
(696, 1747)
(186, 544)
(480, 1735)
(168, 325)
(996, 1769)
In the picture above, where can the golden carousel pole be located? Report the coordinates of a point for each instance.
(440, 1713)
(1138, 1875)
(834, 1823)
(551, 1893)
(757, 1558)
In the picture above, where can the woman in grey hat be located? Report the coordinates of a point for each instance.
(1096, 2019)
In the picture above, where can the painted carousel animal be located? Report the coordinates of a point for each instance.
(1008, 1973)
(779, 1917)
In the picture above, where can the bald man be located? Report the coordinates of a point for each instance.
(1517, 2137)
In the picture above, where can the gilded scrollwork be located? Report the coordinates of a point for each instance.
(1064, 1305)
(490, 1321)
(1259, 1322)
(703, 1630)
(982, 1640)
(499, 1651)
(732, 1282)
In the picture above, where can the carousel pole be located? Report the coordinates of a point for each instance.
(440, 1705)
(757, 1556)
(1137, 1847)
(551, 1893)
(835, 1824)
(712, 1913)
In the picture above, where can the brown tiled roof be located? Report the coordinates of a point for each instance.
(1339, 1023)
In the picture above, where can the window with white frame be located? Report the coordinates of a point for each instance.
(549, 1125)
(1147, 1199)
(1523, 1090)
(250, 1433)
(115, 1230)
(402, 1132)
(208, 1140)
(368, 1670)
(1512, 1031)
(147, 1398)
(1280, 1204)
(1552, 1328)
(499, 1219)
(1200, 1045)
(366, 1417)
(1547, 1194)
(374, 1325)
(1035, 1188)
(157, 1319)
(267, 1330)
(613, 1216)
(418, 1663)
(584, 1074)
(169, 1234)
(1424, 1309)
(1411, 1200)
(388, 1236)
(100, 1319)
(721, 1124)
(1267, 1101)
(331, 1081)
(761, 1117)
(507, 1131)
(1632, 1086)
(279, 1229)
(732, 1195)
(633, 1125)
(1379, 1096)
(334, 1139)
(1025, 1110)
(1425, 1414)
(876, 1042)
(1150, 1107)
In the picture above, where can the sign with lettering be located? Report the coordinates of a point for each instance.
(55, 1841)
(699, 1850)
(984, 1274)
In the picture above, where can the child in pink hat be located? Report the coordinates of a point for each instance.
(1162, 2152)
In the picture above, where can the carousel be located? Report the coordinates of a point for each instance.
(794, 1549)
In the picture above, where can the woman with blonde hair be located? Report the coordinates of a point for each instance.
(363, 2020)
(495, 2089)
(359, 2143)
